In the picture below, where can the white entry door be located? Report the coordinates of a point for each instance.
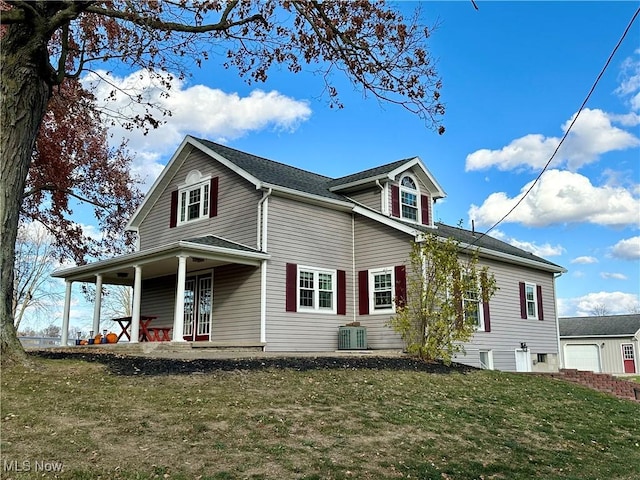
(523, 360)
(198, 304)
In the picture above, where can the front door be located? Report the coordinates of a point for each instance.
(628, 358)
(198, 304)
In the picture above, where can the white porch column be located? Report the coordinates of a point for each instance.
(65, 313)
(263, 301)
(97, 305)
(178, 317)
(135, 313)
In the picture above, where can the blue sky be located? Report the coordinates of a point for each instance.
(514, 75)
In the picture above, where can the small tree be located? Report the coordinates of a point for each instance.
(444, 291)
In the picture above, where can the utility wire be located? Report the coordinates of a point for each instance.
(566, 133)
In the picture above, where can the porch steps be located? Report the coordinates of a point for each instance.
(602, 382)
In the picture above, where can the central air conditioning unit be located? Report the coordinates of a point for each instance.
(352, 338)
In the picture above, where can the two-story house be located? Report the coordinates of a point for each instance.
(235, 248)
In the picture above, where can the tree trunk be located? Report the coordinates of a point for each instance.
(24, 94)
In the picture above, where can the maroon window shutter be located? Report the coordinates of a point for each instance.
(523, 301)
(395, 200)
(213, 198)
(401, 285)
(363, 292)
(539, 295)
(342, 292)
(291, 287)
(173, 217)
(486, 314)
(424, 203)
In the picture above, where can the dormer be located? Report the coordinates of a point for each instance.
(405, 190)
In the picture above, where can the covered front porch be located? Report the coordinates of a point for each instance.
(173, 285)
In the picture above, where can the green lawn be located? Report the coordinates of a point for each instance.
(325, 424)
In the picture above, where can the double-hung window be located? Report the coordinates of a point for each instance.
(381, 286)
(408, 199)
(316, 289)
(194, 202)
(531, 300)
(472, 308)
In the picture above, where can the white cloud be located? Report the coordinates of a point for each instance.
(613, 276)
(630, 80)
(616, 303)
(627, 249)
(545, 250)
(197, 110)
(562, 197)
(584, 260)
(591, 136)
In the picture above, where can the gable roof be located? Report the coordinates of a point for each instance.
(601, 326)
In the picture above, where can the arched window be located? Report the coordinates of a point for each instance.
(194, 197)
(409, 195)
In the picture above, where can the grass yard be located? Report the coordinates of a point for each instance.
(321, 424)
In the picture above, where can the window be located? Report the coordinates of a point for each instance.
(194, 202)
(316, 289)
(381, 286)
(541, 358)
(486, 359)
(471, 307)
(531, 301)
(408, 199)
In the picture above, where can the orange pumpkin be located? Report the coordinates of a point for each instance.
(112, 338)
(97, 339)
(83, 342)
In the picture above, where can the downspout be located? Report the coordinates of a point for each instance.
(353, 263)
(262, 246)
(384, 207)
(262, 230)
(555, 301)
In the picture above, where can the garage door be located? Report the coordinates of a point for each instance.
(582, 357)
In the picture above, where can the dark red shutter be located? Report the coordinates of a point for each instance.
(291, 287)
(523, 301)
(173, 216)
(342, 292)
(401, 285)
(424, 204)
(363, 292)
(486, 314)
(539, 295)
(213, 198)
(395, 200)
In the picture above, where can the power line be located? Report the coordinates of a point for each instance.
(566, 133)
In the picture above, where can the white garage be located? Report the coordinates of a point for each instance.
(582, 357)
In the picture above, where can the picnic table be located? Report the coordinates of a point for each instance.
(146, 332)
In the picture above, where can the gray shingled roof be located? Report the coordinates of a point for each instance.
(276, 173)
(213, 241)
(608, 325)
(484, 241)
(372, 172)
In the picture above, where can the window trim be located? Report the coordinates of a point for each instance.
(416, 193)
(480, 326)
(534, 300)
(371, 283)
(183, 191)
(316, 290)
(490, 365)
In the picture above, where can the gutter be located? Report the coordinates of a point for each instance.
(262, 229)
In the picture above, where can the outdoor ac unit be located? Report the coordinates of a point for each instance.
(352, 338)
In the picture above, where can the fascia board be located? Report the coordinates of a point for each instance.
(356, 183)
(229, 164)
(158, 185)
(157, 254)
(385, 220)
(595, 337)
(416, 161)
(316, 199)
